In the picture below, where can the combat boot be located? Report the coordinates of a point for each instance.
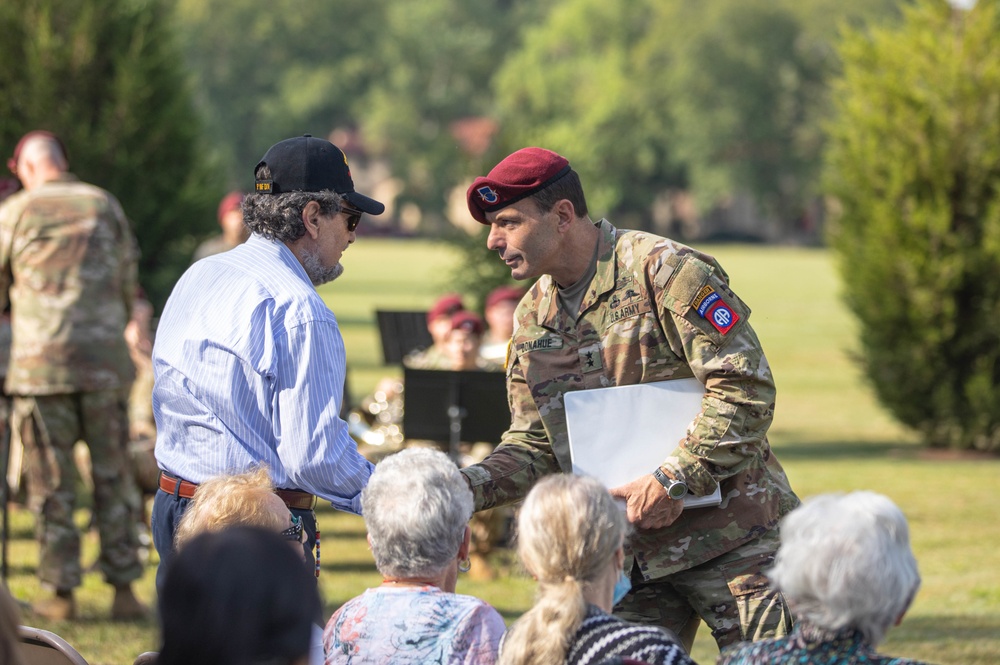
(60, 607)
(126, 607)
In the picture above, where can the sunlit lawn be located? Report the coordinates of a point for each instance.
(828, 431)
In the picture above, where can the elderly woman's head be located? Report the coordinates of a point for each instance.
(568, 529)
(416, 507)
(845, 562)
(569, 537)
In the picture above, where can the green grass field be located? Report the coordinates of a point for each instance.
(828, 431)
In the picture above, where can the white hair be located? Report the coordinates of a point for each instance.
(416, 507)
(845, 562)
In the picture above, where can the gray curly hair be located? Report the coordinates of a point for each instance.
(279, 216)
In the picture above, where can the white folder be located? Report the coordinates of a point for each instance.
(619, 434)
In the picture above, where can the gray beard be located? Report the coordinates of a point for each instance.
(319, 273)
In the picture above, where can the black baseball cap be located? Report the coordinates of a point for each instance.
(309, 164)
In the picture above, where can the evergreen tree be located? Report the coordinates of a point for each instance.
(106, 77)
(914, 165)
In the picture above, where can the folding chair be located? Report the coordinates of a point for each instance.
(40, 647)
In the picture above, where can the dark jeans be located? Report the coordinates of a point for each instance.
(167, 512)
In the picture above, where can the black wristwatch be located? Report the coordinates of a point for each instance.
(676, 489)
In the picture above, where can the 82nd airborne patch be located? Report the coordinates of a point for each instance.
(711, 306)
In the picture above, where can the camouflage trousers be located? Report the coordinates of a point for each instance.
(730, 593)
(49, 426)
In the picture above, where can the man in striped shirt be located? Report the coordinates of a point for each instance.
(249, 361)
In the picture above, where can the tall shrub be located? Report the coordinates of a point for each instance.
(106, 76)
(913, 164)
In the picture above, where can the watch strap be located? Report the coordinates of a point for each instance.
(675, 489)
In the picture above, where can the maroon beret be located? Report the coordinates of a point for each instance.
(230, 202)
(467, 321)
(518, 176)
(446, 305)
(502, 293)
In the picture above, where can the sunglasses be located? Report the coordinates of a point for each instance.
(294, 532)
(353, 216)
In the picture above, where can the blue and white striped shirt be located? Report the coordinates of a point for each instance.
(249, 366)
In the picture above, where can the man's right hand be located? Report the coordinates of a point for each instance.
(647, 503)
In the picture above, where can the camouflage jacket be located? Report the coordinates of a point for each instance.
(648, 316)
(68, 268)
(430, 358)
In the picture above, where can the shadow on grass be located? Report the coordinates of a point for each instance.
(18, 568)
(347, 567)
(951, 628)
(343, 533)
(852, 450)
(843, 450)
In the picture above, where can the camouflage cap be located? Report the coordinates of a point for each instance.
(517, 177)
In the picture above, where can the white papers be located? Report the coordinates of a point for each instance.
(619, 434)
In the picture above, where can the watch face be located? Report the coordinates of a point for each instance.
(677, 490)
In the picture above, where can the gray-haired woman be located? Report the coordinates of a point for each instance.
(417, 508)
(846, 569)
(570, 539)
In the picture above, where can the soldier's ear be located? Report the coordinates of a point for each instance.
(565, 213)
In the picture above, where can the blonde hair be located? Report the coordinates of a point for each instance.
(230, 500)
(568, 530)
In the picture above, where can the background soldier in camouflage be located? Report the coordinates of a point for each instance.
(68, 266)
(614, 308)
(234, 231)
(438, 325)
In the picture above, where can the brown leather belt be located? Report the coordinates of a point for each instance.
(185, 490)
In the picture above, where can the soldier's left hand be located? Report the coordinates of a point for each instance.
(648, 506)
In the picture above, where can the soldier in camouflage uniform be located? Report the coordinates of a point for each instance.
(68, 267)
(613, 308)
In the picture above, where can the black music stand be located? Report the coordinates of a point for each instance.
(455, 406)
(402, 333)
